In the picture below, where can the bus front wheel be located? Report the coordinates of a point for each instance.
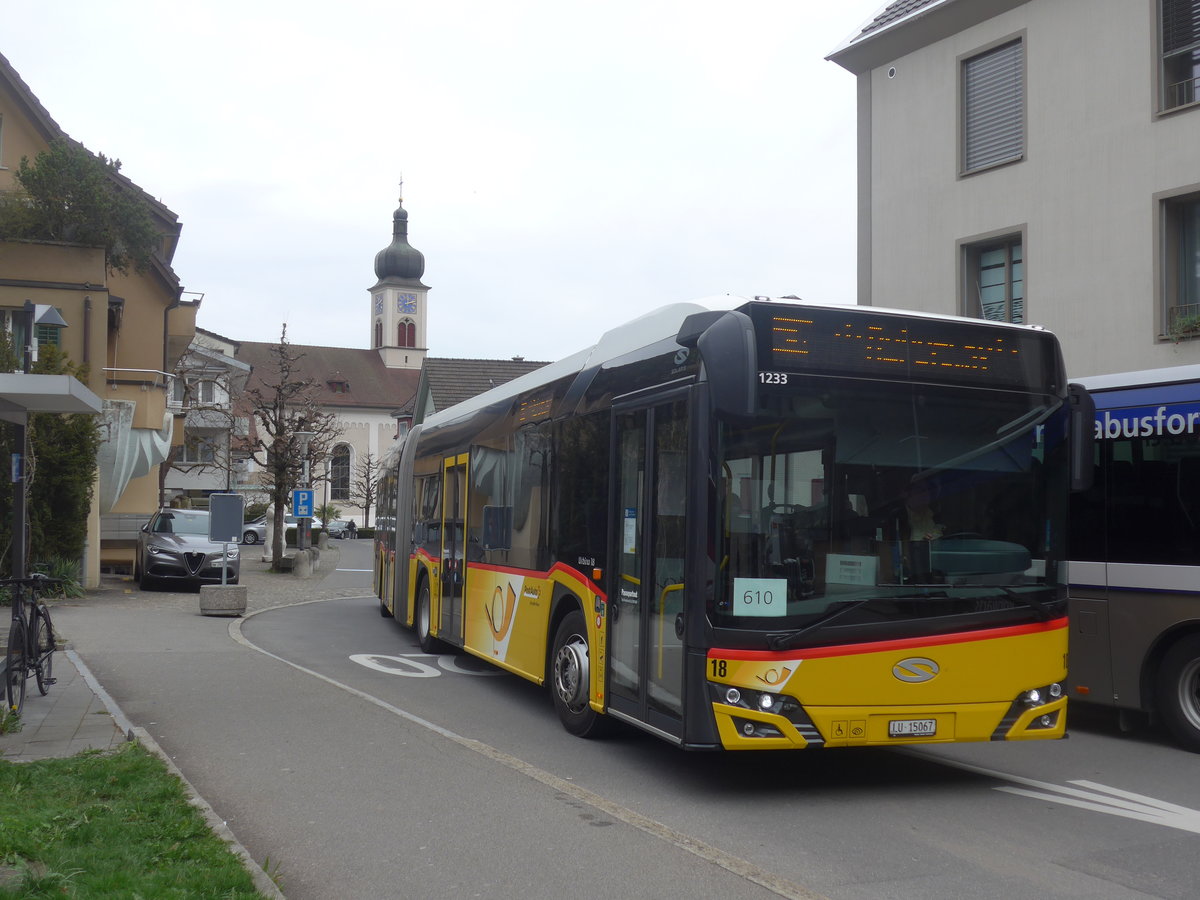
(424, 621)
(1179, 691)
(570, 678)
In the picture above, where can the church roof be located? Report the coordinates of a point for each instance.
(348, 377)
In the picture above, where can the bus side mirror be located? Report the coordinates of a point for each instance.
(727, 345)
(1082, 436)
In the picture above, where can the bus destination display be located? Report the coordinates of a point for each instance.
(824, 341)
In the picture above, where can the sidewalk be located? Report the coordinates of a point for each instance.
(78, 714)
(75, 715)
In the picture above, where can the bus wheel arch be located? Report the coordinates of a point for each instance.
(1178, 690)
(568, 675)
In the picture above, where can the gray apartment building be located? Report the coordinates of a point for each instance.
(1035, 162)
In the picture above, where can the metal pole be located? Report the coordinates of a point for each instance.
(20, 537)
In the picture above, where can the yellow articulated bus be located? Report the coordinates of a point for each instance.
(774, 527)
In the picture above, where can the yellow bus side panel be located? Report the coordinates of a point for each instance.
(506, 619)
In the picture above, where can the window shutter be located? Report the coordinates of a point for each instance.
(1180, 24)
(994, 113)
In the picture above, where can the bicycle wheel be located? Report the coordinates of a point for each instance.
(14, 671)
(43, 643)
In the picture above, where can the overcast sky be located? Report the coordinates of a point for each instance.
(567, 164)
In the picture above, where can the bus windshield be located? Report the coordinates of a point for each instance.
(859, 502)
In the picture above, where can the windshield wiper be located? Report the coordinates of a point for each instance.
(1044, 613)
(786, 640)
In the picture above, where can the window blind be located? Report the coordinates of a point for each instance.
(994, 107)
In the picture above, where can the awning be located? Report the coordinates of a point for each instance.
(23, 394)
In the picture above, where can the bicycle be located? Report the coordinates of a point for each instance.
(30, 641)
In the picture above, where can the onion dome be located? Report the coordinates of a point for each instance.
(399, 259)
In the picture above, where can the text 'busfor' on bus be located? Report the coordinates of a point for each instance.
(780, 526)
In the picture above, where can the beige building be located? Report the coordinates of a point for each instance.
(129, 330)
(1035, 162)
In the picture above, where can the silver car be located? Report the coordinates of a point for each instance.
(173, 548)
(255, 531)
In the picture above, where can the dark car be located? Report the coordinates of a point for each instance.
(340, 528)
(173, 548)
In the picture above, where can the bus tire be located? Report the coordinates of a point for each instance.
(1179, 691)
(423, 621)
(383, 610)
(570, 681)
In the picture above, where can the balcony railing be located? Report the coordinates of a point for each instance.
(1181, 93)
(143, 377)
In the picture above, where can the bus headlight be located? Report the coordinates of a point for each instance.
(733, 696)
(1038, 696)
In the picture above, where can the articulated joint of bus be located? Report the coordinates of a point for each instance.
(749, 719)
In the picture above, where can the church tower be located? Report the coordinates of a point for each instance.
(399, 301)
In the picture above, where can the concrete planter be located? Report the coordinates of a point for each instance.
(222, 599)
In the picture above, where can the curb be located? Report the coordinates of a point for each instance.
(262, 882)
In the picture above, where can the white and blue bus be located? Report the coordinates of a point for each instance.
(1135, 551)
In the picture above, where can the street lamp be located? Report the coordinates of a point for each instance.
(302, 532)
(47, 316)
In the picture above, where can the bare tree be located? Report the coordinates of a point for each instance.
(283, 401)
(362, 488)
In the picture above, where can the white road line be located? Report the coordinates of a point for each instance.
(736, 865)
(1092, 796)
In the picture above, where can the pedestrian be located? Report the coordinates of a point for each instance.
(353, 529)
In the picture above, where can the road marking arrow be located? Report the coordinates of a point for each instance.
(1095, 797)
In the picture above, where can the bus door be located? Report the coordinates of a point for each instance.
(646, 605)
(454, 563)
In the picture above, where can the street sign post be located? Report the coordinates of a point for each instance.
(225, 517)
(302, 503)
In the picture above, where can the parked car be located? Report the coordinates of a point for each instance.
(173, 548)
(255, 531)
(340, 529)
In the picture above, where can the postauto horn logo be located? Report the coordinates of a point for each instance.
(916, 669)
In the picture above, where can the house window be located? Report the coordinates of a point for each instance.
(406, 334)
(192, 391)
(1181, 265)
(995, 280)
(339, 473)
(993, 97)
(378, 333)
(1179, 34)
(199, 448)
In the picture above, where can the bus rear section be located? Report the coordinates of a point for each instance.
(1135, 553)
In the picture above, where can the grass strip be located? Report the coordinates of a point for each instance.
(112, 825)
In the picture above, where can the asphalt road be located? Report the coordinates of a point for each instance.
(353, 765)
